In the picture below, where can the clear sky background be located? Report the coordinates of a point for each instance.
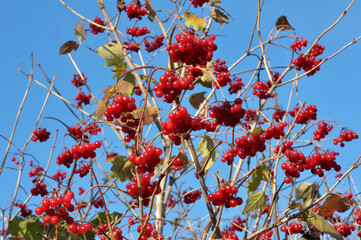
(42, 26)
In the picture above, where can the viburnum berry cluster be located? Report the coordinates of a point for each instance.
(135, 11)
(66, 158)
(59, 176)
(83, 170)
(225, 196)
(250, 146)
(40, 187)
(104, 229)
(275, 132)
(236, 86)
(147, 188)
(345, 136)
(147, 161)
(24, 212)
(230, 155)
(170, 86)
(41, 134)
(292, 228)
(137, 32)
(121, 105)
(181, 124)
(344, 229)
(192, 50)
(85, 151)
(228, 114)
(177, 164)
(191, 197)
(132, 46)
(229, 234)
(96, 29)
(260, 89)
(307, 114)
(153, 43)
(307, 62)
(199, 3)
(78, 132)
(222, 74)
(237, 225)
(265, 235)
(129, 126)
(322, 130)
(82, 98)
(278, 115)
(79, 80)
(92, 128)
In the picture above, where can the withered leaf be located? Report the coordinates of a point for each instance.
(283, 24)
(120, 5)
(196, 99)
(68, 47)
(333, 203)
(151, 12)
(149, 114)
(80, 32)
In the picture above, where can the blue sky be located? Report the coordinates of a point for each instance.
(41, 27)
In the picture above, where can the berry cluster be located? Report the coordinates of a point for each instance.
(225, 196)
(104, 228)
(147, 231)
(345, 136)
(171, 201)
(82, 98)
(39, 189)
(98, 203)
(177, 164)
(41, 134)
(137, 32)
(92, 128)
(154, 43)
(132, 46)
(237, 225)
(249, 147)
(260, 89)
(13, 159)
(191, 197)
(278, 115)
(81, 190)
(275, 132)
(147, 188)
(23, 211)
(85, 151)
(322, 130)
(129, 126)
(95, 29)
(147, 161)
(265, 235)
(78, 80)
(66, 158)
(222, 74)
(230, 155)
(286, 145)
(83, 170)
(308, 62)
(192, 50)
(77, 132)
(344, 229)
(228, 114)
(122, 104)
(59, 176)
(229, 234)
(37, 172)
(137, 90)
(170, 86)
(307, 114)
(181, 123)
(298, 45)
(199, 3)
(134, 11)
(292, 228)
(235, 87)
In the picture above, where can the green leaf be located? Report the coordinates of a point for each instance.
(122, 169)
(207, 78)
(120, 66)
(219, 17)
(80, 32)
(196, 99)
(205, 147)
(258, 175)
(26, 228)
(144, 77)
(14, 226)
(307, 192)
(112, 53)
(255, 201)
(258, 131)
(193, 20)
(129, 78)
(176, 222)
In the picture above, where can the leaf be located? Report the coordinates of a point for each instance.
(144, 77)
(205, 147)
(14, 226)
(258, 131)
(322, 225)
(124, 87)
(334, 203)
(129, 77)
(283, 24)
(122, 66)
(151, 12)
(219, 17)
(122, 169)
(258, 175)
(196, 99)
(120, 5)
(80, 32)
(256, 201)
(99, 112)
(111, 52)
(193, 20)
(307, 192)
(149, 114)
(102, 218)
(68, 47)
(176, 222)
(26, 228)
(207, 78)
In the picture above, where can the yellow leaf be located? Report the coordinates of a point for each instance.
(193, 20)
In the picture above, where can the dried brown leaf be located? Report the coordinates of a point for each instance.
(333, 203)
(68, 47)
